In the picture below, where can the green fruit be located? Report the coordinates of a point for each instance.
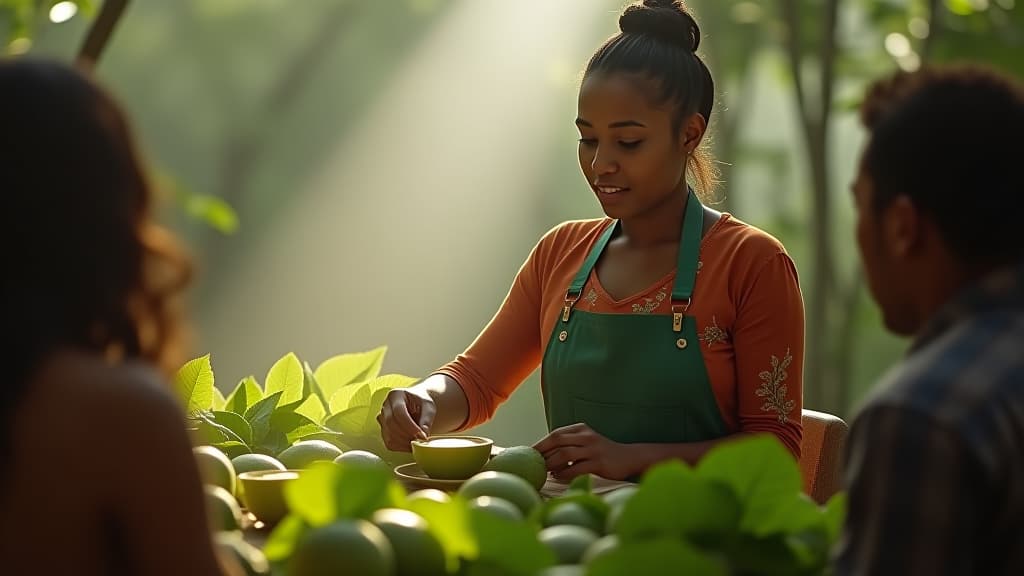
(222, 511)
(616, 503)
(215, 468)
(255, 463)
(417, 550)
(344, 548)
(603, 546)
(567, 542)
(620, 496)
(563, 570)
(574, 514)
(502, 485)
(498, 507)
(523, 461)
(249, 557)
(430, 494)
(363, 459)
(302, 454)
(252, 463)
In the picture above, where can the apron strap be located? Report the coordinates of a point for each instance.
(689, 255)
(686, 265)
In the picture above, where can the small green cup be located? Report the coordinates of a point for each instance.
(263, 493)
(452, 457)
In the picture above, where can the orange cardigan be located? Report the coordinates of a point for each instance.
(746, 301)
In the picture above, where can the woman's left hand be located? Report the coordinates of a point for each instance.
(577, 449)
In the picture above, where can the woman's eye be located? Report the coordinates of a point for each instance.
(588, 141)
(630, 144)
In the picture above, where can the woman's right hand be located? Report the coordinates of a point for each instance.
(407, 415)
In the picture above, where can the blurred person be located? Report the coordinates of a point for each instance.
(99, 476)
(935, 467)
(660, 330)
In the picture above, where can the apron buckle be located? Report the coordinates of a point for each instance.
(570, 301)
(678, 310)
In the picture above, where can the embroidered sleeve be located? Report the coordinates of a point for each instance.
(768, 336)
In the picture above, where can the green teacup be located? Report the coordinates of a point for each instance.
(263, 493)
(452, 457)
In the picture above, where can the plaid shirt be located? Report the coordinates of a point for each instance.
(935, 461)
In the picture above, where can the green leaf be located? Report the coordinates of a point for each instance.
(450, 523)
(312, 408)
(835, 515)
(283, 539)
(217, 213)
(312, 496)
(310, 387)
(350, 397)
(960, 7)
(213, 432)
(335, 438)
(763, 475)
(232, 448)
(235, 423)
(673, 501)
(194, 385)
(390, 382)
(327, 492)
(349, 422)
(583, 483)
(511, 547)
(768, 556)
(654, 557)
(218, 399)
(245, 394)
(335, 373)
(285, 376)
(292, 425)
(259, 415)
(380, 387)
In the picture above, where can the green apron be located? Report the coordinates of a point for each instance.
(633, 377)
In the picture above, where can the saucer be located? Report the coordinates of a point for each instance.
(412, 474)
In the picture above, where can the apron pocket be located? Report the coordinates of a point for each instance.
(630, 423)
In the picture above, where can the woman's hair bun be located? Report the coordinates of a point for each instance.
(666, 20)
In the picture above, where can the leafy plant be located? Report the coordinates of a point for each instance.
(338, 402)
(739, 513)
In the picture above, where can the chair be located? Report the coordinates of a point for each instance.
(821, 454)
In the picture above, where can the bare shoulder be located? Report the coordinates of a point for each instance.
(88, 387)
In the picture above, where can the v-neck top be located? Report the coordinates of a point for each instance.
(746, 302)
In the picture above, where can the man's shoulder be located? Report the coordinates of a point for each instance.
(968, 382)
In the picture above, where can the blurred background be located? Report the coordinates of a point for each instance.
(356, 173)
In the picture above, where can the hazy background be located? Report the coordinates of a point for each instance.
(352, 173)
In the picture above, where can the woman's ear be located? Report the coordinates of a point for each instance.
(692, 132)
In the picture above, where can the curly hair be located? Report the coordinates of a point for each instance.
(88, 268)
(948, 135)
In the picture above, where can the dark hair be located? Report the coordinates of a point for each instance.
(948, 136)
(87, 268)
(658, 39)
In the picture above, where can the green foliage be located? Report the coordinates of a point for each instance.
(739, 513)
(290, 406)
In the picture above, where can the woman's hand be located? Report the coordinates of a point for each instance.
(577, 449)
(407, 415)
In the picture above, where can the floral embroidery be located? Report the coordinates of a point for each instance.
(773, 388)
(713, 334)
(591, 298)
(650, 304)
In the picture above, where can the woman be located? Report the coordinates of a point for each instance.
(661, 330)
(99, 473)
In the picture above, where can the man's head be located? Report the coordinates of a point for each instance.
(939, 192)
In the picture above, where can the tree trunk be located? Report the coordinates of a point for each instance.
(100, 31)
